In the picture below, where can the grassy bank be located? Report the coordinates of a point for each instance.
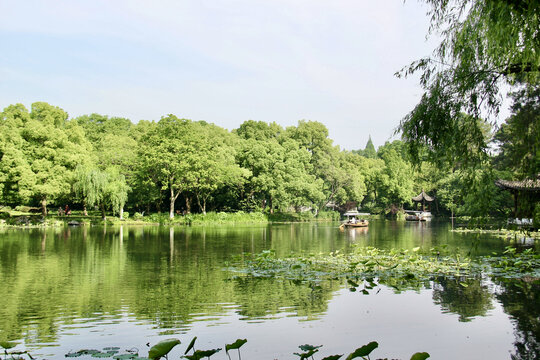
(21, 218)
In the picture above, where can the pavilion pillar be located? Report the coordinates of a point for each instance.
(515, 193)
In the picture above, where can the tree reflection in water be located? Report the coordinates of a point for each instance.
(174, 278)
(466, 297)
(521, 300)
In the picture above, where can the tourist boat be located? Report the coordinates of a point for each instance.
(418, 215)
(354, 220)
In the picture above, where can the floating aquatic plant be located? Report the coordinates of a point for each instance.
(162, 348)
(235, 345)
(363, 351)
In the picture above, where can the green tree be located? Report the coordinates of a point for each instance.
(519, 136)
(165, 153)
(396, 180)
(213, 165)
(43, 150)
(279, 173)
(99, 188)
(15, 170)
(372, 170)
(90, 185)
(485, 43)
(369, 150)
(113, 139)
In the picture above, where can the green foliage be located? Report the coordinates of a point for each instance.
(363, 351)
(536, 219)
(420, 356)
(369, 151)
(396, 180)
(199, 354)
(259, 172)
(519, 136)
(138, 216)
(484, 44)
(398, 268)
(39, 153)
(310, 350)
(332, 357)
(235, 345)
(162, 348)
(191, 345)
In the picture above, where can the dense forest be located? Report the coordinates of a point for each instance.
(181, 166)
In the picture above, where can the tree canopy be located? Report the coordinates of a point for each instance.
(108, 164)
(485, 45)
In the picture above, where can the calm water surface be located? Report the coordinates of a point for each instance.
(92, 287)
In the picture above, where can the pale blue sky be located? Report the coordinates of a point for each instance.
(225, 62)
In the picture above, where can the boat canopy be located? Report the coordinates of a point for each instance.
(355, 213)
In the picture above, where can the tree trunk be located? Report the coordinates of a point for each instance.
(84, 208)
(44, 207)
(188, 205)
(199, 201)
(122, 213)
(171, 204)
(103, 217)
(172, 199)
(202, 205)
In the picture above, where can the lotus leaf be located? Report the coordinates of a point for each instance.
(420, 356)
(332, 357)
(364, 350)
(125, 356)
(162, 348)
(75, 354)
(235, 345)
(102, 355)
(308, 347)
(7, 344)
(208, 353)
(307, 354)
(191, 345)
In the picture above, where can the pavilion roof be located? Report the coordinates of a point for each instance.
(527, 184)
(423, 196)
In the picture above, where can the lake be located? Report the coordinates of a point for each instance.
(66, 289)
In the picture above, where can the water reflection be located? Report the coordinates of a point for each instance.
(467, 298)
(163, 281)
(521, 299)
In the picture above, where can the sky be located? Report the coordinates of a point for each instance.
(224, 62)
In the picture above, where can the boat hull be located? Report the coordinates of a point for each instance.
(356, 225)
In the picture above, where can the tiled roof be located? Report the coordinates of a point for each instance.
(423, 196)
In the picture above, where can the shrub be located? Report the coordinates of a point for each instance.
(138, 216)
(536, 216)
(5, 214)
(160, 218)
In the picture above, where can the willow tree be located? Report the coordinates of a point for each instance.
(101, 188)
(90, 185)
(485, 45)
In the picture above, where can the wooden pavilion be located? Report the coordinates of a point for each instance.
(422, 198)
(517, 188)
